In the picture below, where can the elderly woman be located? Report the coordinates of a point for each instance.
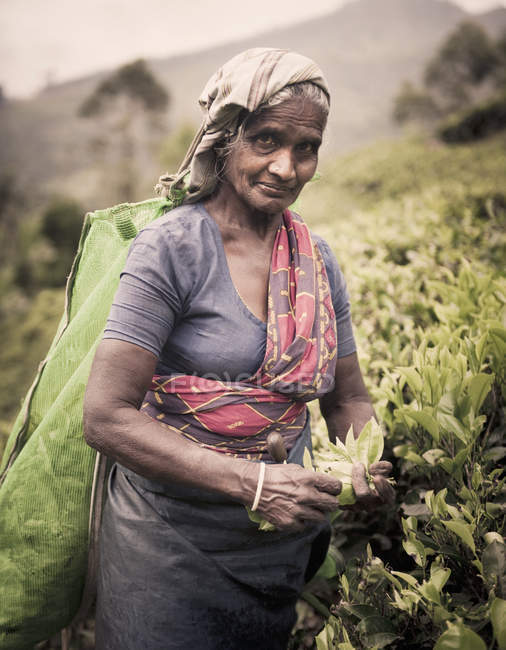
(229, 317)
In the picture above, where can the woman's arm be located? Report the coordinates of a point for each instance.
(349, 404)
(120, 375)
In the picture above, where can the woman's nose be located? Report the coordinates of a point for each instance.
(282, 165)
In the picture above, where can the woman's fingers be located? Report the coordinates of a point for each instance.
(382, 467)
(359, 481)
(327, 483)
(384, 489)
(321, 501)
(382, 492)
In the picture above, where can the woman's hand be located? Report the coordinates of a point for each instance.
(292, 496)
(369, 497)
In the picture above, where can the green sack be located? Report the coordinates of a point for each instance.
(50, 480)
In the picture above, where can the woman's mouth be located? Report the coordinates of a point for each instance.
(274, 190)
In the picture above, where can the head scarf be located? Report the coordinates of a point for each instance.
(245, 82)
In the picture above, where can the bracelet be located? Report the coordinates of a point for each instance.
(260, 485)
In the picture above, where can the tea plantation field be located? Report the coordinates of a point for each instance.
(419, 229)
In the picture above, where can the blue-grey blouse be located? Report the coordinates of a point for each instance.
(176, 299)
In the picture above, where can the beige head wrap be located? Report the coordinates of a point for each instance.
(245, 82)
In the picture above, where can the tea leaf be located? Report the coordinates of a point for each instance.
(494, 566)
(432, 385)
(346, 586)
(479, 388)
(432, 456)
(447, 464)
(462, 530)
(441, 615)
(411, 580)
(370, 443)
(339, 451)
(426, 420)
(439, 576)
(339, 470)
(416, 549)
(360, 611)
(413, 379)
(495, 453)
(493, 537)
(257, 518)
(307, 461)
(347, 496)
(498, 618)
(351, 443)
(430, 592)
(494, 509)
(498, 341)
(459, 637)
(377, 630)
(452, 425)
(328, 569)
(480, 348)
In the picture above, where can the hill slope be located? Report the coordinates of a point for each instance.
(365, 49)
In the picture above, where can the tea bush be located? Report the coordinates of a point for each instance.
(428, 302)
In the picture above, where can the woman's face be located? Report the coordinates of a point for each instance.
(276, 156)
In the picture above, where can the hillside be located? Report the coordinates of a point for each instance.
(365, 49)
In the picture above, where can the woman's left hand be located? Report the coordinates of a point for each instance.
(369, 497)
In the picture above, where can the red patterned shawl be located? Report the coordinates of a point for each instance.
(299, 363)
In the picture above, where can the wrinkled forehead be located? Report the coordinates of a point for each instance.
(298, 112)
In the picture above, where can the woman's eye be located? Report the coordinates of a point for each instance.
(307, 147)
(265, 139)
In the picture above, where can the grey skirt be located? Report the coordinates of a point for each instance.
(186, 568)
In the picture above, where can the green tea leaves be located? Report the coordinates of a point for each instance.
(459, 637)
(257, 518)
(463, 531)
(338, 460)
(493, 562)
(498, 618)
(369, 444)
(412, 378)
(307, 461)
(479, 388)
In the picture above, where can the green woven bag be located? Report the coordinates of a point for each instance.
(50, 480)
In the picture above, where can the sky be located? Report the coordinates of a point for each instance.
(58, 40)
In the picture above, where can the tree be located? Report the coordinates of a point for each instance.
(412, 105)
(127, 106)
(500, 70)
(466, 58)
(175, 146)
(47, 245)
(468, 71)
(133, 80)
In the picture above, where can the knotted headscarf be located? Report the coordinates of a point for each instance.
(245, 82)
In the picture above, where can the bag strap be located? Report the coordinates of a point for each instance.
(123, 222)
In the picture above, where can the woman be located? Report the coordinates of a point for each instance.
(223, 327)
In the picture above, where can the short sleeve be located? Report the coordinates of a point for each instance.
(148, 300)
(340, 300)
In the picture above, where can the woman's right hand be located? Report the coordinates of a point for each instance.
(292, 496)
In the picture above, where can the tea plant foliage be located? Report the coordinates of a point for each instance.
(429, 306)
